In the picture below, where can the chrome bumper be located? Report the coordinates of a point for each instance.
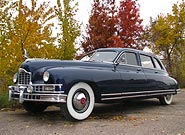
(178, 91)
(38, 93)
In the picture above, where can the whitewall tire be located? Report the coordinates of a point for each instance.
(166, 100)
(80, 102)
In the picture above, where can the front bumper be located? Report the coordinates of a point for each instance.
(178, 91)
(38, 93)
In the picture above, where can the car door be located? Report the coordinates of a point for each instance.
(133, 77)
(155, 73)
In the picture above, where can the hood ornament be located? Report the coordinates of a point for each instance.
(25, 54)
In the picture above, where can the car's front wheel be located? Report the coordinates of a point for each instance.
(34, 107)
(166, 100)
(80, 102)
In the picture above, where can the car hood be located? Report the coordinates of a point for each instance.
(32, 65)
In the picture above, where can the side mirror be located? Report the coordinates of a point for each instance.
(114, 66)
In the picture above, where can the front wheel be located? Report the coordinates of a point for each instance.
(32, 107)
(166, 100)
(80, 102)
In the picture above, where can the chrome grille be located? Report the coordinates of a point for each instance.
(24, 77)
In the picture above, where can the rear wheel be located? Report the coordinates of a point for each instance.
(34, 107)
(80, 102)
(166, 100)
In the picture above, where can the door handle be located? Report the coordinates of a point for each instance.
(138, 69)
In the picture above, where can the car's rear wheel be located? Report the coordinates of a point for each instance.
(166, 100)
(34, 107)
(80, 102)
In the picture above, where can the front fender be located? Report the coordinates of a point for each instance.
(69, 76)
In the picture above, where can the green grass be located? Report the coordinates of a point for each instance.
(5, 103)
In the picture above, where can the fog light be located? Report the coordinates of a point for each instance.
(30, 89)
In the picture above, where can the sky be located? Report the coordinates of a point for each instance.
(152, 8)
(148, 8)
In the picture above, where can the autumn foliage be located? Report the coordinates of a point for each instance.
(30, 27)
(166, 36)
(69, 29)
(112, 26)
(129, 24)
(101, 26)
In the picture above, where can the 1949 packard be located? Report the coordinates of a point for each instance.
(104, 75)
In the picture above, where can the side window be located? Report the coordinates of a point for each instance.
(146, 61)
(157, 64)
(131, 59)
(128, 58)
(122, 59)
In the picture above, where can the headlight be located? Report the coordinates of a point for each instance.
(46, 76)
(15, 78)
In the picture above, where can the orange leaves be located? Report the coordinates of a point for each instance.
(130, 28)
(111, 26)
(101, 26)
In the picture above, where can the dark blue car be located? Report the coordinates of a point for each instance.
(105, 75)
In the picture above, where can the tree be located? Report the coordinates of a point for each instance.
(101, 28)
(167, 37)
(5, 6)
(110, 26)
(69, 29)
(25, 28)
(33, 28)
(129, 24)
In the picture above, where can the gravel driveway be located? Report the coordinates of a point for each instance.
(145, 117)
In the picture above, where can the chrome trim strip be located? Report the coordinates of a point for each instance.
(57, 101)
(22, 69)
(37, 94)
(134, 96)
(20, 86)
(129, 93)
(40, 85)
(49, 92)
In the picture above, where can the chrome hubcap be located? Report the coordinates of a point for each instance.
(80, 101)
(168, 97)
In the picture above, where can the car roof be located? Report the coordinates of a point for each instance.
(125, 49)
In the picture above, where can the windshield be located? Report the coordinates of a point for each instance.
(87, 56)
(103, 56)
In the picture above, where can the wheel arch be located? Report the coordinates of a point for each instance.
(92, 84)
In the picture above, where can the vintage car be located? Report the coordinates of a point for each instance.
(103, 76)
